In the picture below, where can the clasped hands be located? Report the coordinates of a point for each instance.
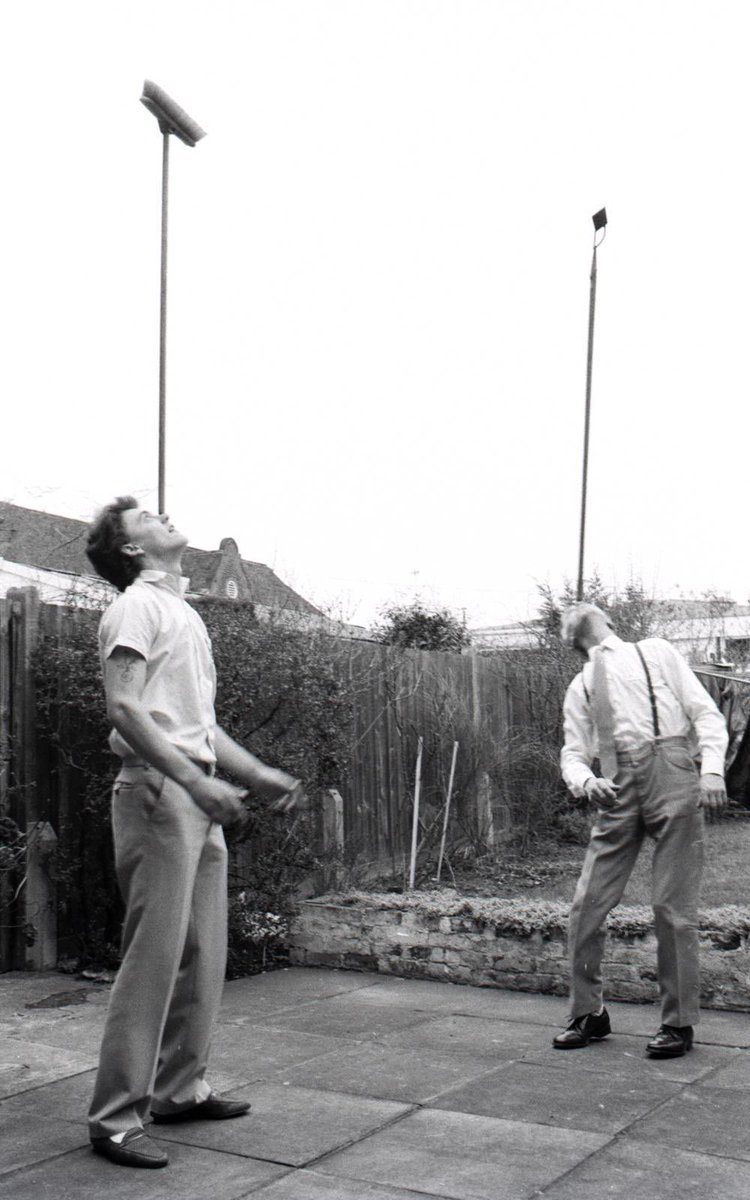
(223, 802)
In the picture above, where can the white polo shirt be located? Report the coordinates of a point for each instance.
(156, 621)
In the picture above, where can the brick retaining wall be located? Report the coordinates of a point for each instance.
(517, 946)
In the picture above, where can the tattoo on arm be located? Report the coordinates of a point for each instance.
(125, 664)
(125, 669)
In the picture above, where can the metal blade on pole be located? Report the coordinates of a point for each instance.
(415, 817)
(600, 222)
(447, 811)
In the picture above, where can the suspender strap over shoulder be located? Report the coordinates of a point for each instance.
(651, 696)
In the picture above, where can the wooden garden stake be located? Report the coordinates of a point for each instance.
(415, 818)
(447, 811)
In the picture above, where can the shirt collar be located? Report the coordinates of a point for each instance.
(162, 577)
(609, 643)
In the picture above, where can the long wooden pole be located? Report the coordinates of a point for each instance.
(589, 367)
(415, 817)
(162, 504)
(447, 810)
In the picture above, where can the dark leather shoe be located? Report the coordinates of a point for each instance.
(212, 1109)
(670, 1042)
(135, 1150)
(588, 1028)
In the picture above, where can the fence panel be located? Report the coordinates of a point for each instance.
(400, 696)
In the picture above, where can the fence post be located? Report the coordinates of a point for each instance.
(485, 815)
(41, 895)
(331, 835)
(38, 897)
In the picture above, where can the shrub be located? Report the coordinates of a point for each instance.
(72, 725)
(422, 627)
(278, 694)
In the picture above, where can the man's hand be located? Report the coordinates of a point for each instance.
(713, 794)
(220, 801)
(602, 791)
(282, 791)
(293, 797)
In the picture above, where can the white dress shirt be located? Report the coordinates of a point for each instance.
(684, 708)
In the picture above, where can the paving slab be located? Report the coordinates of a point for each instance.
(492, 1040)
(714, 1027)
(464, 1157)
(388, 1072)
(288, 1124)
(491, 1002)
(67, 1099)
(715, 1119)
(192, 1174)
(21, 988)
(628, 1170)
(735, 1075)
(527, 1092)
(76, 1030)
(350, 1016)
(252, 1052)
(289, 987)
(723, 1028)
(21, 1145)
(308, 1185)
(625, 1057)
(26, 1065)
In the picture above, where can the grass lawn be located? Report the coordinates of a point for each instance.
(550, 873)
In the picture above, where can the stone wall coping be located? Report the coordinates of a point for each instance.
(522, 917)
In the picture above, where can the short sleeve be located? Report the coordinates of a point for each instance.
(131, 622)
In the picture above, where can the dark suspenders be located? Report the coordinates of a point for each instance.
(651, 695)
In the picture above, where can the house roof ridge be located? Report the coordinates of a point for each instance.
(44, 540)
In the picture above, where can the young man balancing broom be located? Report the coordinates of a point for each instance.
(168, 814)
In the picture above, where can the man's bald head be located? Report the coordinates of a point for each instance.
(583, 625)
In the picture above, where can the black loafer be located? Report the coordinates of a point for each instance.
(135, 1150)
(670, 1042)
(212, 1109)
(591, 1027)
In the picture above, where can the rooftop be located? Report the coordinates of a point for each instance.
(55, 543)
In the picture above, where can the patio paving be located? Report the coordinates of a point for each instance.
(368, 1087)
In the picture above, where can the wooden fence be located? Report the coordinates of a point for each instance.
(486, 704)
(398, 696)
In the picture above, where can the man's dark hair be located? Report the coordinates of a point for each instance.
(105, 542)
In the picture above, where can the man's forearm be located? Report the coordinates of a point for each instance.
(234, 758)
(138, 728)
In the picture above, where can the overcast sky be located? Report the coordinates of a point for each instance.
(379, 285)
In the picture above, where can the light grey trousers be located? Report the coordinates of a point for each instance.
(172, 870)
(659, 796)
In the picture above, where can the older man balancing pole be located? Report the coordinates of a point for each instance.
(168, 810)
(635, 705)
